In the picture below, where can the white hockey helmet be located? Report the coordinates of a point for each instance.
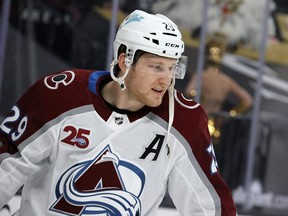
(150, 33)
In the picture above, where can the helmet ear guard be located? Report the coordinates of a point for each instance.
(150, 33)
(129, 57)
(116, 67)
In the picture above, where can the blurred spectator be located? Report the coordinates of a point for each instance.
(240, 20)
(216, 86)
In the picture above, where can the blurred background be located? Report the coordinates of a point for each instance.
(243, 40)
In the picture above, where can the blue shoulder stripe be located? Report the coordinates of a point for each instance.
(94, 78)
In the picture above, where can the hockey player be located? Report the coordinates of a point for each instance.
(97, 143)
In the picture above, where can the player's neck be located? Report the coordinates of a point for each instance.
(115, 96)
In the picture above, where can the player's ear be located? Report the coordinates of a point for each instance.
(121, 62)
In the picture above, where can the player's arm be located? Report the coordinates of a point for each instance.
(25, 141)
(205, 156)
(195, 184)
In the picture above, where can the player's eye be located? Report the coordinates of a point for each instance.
(157, 68)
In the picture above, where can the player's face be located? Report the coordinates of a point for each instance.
(149, 79)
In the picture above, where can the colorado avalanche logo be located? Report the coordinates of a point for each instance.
(64, 78)
(100, 187)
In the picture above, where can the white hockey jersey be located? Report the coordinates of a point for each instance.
(78, 155)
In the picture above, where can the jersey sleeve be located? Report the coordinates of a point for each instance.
(30, 130)
(17, 163)
(195, 184)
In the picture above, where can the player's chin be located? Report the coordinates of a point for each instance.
(155, 102)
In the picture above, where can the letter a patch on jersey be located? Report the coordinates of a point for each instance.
(154, 147)
(98, 186)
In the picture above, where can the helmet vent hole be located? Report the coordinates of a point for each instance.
(155, 41)
(152, 33)
(147, 38)
(174, 35)
(164, 51)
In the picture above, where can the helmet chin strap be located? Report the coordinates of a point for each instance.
(171, 93)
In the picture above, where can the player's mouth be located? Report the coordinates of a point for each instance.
(158, 91)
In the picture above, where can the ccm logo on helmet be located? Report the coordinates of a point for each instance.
(172, 45)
